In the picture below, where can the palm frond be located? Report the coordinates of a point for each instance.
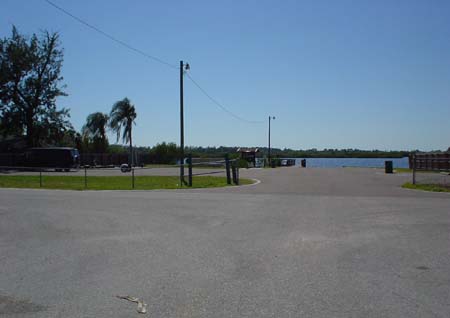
(122, 116)
(95, 126)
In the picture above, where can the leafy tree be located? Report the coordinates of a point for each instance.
(54, 129)
(117, 149)
(122, 118)
(165, 153)
(29, 85)
(95, 131)
(70, 138)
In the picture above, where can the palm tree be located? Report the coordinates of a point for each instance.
(122, 118)
(95, 130)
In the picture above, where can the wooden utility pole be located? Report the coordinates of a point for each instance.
(269, 142)
(270, 118)
(181, 126)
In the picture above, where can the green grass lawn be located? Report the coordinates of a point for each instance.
(195, 166)
(160, 165)
(404, 170)
(111, 183)
(427, 187)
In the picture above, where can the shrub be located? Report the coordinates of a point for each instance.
(242, 163)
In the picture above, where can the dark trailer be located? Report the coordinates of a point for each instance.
(59, 158)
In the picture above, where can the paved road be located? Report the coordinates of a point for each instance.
(302, 243)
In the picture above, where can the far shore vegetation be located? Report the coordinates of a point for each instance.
(166, 153)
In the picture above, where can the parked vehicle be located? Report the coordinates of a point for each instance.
(59, 158)
(124, 167)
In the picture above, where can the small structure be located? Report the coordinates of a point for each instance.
(430, 161)
(249, 154)
(287, 162)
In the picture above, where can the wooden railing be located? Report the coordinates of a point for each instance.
(429, 162)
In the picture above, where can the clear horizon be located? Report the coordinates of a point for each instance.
(366, 75)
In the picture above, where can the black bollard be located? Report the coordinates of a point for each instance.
(388, 166)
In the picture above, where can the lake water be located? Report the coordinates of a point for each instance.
(352, 162)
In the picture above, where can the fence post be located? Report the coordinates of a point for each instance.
(85, 177)
(132, 177)
(414, 169)
(227, 168)
(233, 172)
(190, 169)
(40, 177)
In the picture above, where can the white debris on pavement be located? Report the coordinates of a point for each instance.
(141, 306)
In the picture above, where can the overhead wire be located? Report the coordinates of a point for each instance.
(225, 109)
(109, 36)
(154, 58)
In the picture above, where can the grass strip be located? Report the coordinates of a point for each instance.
(427, 187)
(112, 182)
(405, 170)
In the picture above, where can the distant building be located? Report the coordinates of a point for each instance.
(249, 154)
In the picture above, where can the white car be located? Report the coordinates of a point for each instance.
(124, 167)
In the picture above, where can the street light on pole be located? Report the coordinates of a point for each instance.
(183, 68)
(270, 118)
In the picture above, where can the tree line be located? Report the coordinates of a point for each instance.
(307, 153)
(169, 152)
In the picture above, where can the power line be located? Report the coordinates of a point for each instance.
(109, 36)
(154, 58)
(221, 106)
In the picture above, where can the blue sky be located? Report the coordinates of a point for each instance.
(336, 74)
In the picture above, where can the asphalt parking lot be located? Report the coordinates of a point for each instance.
(301, 243)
